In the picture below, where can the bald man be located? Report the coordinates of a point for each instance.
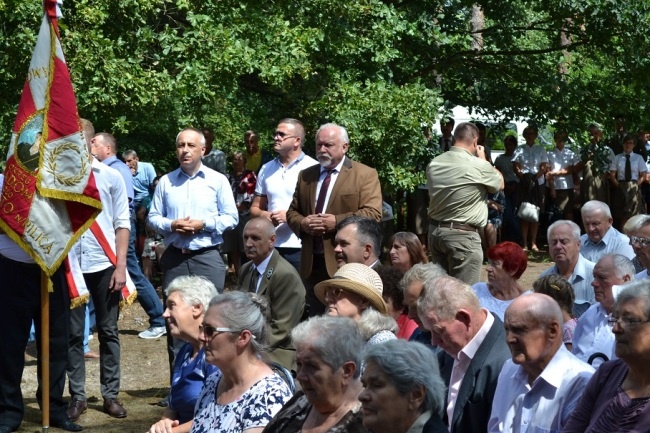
(269, 274)
(542, 383)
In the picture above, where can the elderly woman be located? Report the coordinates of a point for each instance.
(247, 393)
(530, 162)
(356, 292)
(406, 250)
(560, 289)
(187, 301)
(402, 393)
(328, 353)
(507, 262)
(617, 398)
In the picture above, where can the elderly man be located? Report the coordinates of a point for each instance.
(593, 333)
(192, 207)
(411, 284)
(601, 237)
(542, 383)
(473, 350)
(458, 184)
(358, 240)
(325, 195)
(276, 183)
(104, 147)
(564, 248)
(213, 157)
(270, 275)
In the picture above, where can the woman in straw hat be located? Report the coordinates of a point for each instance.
(355, 291)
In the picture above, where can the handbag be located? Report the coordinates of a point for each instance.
(528, 212)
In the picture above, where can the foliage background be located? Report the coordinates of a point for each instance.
(143, 69)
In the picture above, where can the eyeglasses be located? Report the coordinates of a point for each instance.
(625, 322)
(282, 135)
(333, 293)
(637, 240)
(211, 331)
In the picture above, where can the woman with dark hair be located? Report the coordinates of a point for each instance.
(394, 297)
(561, 290)
(406, 250)
(507, 262)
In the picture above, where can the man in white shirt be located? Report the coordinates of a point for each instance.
(561, 169)
(601, 237)
(564, 247)
(639, 229)
(627, 173)
(593, 333)
(276, 183)
(542, 383)
(473, 348)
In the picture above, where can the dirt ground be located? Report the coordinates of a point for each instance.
(145, 375)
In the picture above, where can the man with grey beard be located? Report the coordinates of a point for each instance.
(325, 195)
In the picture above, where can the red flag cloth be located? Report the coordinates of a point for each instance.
(49, 197)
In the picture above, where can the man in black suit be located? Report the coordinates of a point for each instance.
(270, 275)
(473, 351)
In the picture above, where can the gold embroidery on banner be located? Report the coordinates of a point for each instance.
(52, 165)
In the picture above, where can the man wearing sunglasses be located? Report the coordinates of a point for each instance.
(277, 181)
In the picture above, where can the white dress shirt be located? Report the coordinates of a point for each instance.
(561, 159)
(544, 406)
(335, 174)
(637, 166)
(614, 242)
(593, 334)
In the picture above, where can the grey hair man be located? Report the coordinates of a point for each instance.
(542, 373)
(601, 237)
(473, 344)
(564, 247)
(593, 334)
(358, 240)
(638, 228)
(143, 176)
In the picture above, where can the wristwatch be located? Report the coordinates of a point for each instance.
(204, 225)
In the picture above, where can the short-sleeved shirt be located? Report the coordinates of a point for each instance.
(530, 157)
(254, 409)
(277, 183)
(458, 184)
(637, 165)
(561, 159)
(142, 181)
(504, 164)
(489, 302)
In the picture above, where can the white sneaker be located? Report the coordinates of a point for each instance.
(153, 332)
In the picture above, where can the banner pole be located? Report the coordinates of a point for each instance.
(45, 351)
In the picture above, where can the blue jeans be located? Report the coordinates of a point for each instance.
(147, 296)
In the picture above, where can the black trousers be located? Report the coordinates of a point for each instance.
(20, 289)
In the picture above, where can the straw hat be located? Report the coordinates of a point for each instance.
(358, 279)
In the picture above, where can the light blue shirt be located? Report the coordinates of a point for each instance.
(205, 196)
(142, 180)
(125, 171)
(581, 279)
(614, 242)
(544, 406)
(593, 334)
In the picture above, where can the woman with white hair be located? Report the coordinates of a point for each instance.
(187, 301)
(328, 354)
(402, 393)
(355, 291)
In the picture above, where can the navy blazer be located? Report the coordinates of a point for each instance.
(474, 402)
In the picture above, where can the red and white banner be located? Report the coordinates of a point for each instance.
(49, 197)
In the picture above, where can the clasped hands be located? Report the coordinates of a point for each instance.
(186, 226)
(318, 224)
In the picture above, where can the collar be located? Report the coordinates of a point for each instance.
(336, 169)
(200, 172)
(292, 163)
(472, 347)
(578, 271)
(261, 268)
(553, 374)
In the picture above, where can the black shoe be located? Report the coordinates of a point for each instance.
(5, 429)
(66, 425)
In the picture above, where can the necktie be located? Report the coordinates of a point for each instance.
(252, 286)
(628, 169)
(320, 204)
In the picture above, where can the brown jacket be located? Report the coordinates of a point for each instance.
(356, 192)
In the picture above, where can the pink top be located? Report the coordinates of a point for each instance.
(405, 326)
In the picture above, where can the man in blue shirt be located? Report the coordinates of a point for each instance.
(143, 176)
(104, 147)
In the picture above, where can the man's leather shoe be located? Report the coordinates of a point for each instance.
(114, 408)
(5, 429)
(67, 425)
(91, 355)
(76, 408)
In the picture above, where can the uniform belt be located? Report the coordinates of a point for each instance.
(454, 225)
(198, 251)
